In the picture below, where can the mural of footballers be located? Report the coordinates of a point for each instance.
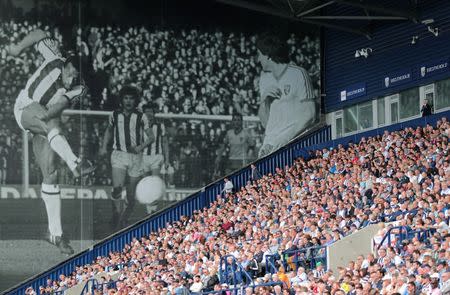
(51, 89)
(126, 129)
(287, 100)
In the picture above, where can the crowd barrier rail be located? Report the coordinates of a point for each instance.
(397, 234)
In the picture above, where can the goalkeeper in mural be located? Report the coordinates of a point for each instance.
(52, 88)
(288, 104)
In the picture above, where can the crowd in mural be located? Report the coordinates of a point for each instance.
(184, 71)
(398, 178)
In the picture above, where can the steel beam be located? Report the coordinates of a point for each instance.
(361, 32)
(411, 15)
(356, 17)
(269, 10)
(315, 8)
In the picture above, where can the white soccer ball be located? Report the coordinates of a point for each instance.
(150, 189)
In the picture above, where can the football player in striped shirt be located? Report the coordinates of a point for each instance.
(288, 103)
(126, 129)
(51, 89)
(157, 152)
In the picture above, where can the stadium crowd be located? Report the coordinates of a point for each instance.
(315, 202)
(185, 71)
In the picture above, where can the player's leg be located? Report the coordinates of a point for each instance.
(119, 174)
(50, 192)
(32, 119)
(2, 175)
(131, 200)
(135, 173)
(154, 164)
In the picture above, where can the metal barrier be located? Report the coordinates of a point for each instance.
(93, 285)
(231, 272)
(241, 290)
(398, 234)
(393, 216)
(305, 257)
(318, 139)
(270, 264)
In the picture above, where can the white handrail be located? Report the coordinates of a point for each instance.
(168, 116)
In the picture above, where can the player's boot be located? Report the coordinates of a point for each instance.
(83, 168)
(62, 244)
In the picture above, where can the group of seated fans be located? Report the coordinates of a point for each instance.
(184, 71)
(401, 176)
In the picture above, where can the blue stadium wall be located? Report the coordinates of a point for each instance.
(393, 55)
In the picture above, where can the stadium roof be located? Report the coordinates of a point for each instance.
(354, 16)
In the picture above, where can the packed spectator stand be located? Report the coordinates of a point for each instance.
(185, 71)
(399, 180)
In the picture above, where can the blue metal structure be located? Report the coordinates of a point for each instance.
(283, 157)
(231, 272)
(241, 290)
(398, 234)
(305, 257)
(271, 264)
(392, 54)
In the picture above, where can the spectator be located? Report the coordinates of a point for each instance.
(228, 186)
(426, 109)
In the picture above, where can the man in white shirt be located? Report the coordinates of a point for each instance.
(197, 286)
(228, 186)
(288, 104)
(300, 277)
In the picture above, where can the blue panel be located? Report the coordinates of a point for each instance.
(392, 52)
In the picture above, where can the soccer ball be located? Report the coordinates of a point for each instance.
(150, 189)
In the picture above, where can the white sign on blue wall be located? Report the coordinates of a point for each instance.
(433, 68)
(397, 78)
(353, 91)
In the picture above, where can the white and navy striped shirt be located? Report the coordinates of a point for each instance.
(46, 82)
(156, 147)
(128, 129)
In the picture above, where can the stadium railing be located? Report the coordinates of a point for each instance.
(393, 216)
(397, 234)
(271, 264)
(93, 285)
(241, 290)
(231, 272)
(318, 139)
(305, 257)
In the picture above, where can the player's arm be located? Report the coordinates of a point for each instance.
(149, 138)
(268, 93)
(29, 40)
(107, 137)
(165, 147)
(304, 84)
(63, 101)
